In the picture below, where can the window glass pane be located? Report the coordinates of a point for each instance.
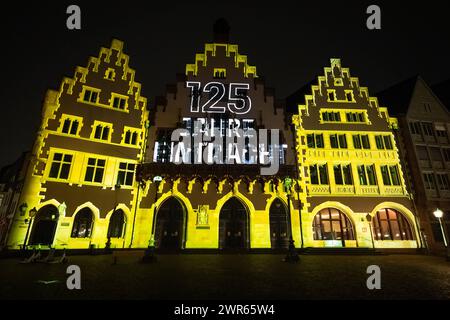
(385, 230)
(385, 175)
(105, 134)
(310, 140)
(101, 162)
(129, 179)
(65, 169)
(134, 138)
(98, 175)
(356, 142)
(348, 175)
(338, 175)
(121, 177)
(342, 141)
(387, 142)
(333, 141)
(66, 126)
(314, 175)
(394, 175)
(379, 142)
(323, 174)
(371, 175)
(319, 141)
(362, 176)
(98, 132)
(57, 156)
(89, 174)
(365, 142)
(54, 170)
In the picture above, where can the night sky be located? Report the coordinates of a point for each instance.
(288, 42)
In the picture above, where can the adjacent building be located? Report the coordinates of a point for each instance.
(424, 123)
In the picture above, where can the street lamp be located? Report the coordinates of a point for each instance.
(439, 214)
(32, 213)
(149, 255)
(292, 255)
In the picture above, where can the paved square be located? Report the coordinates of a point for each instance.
(229, 276)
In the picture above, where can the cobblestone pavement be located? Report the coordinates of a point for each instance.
(238, 276)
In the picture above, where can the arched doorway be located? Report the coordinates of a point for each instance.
(170, 225)
(333, 227)
(233, 225)
(390, 224)
(279, 232)
(44, 226)
(83, 224)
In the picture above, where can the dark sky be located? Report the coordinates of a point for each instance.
(288, 42)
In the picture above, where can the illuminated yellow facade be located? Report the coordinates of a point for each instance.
(329, 128)
(91, 181)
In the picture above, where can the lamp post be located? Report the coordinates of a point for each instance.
(32, 213)
(149, 255)
(439, 214)
(292, 255)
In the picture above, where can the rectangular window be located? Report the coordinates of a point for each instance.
(391, 176)
(428, 129)
(387, 142)
(90, 96)
(371, 175)
(102, 132)
(435, 154)
(367, 175)
(441, 133)
(60, 166)
(95, 170)
(342, 141)
(362, 176)
(365, 141)
(429, 181)
(318, 174)
(379, 142)
(415, 128)
(125, 175)
(70, 126)
(338, 141)
(331, 116)
(446, 152)
(349, 96)
(343, 174)
(443, 182)
(355, 117)
(331, 95)
(131, 137)
(119, 103)
(357, 141)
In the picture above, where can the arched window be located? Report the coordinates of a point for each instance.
(332, 224)
(82, 224)
(116, 224)
(389, 224)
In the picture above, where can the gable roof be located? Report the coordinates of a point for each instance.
(442, 90)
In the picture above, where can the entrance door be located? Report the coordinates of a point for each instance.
(169, 232)
(233, 225)
(44, 226)
(279, 237)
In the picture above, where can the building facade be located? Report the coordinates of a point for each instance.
(80, 187)
(216, 163)
(423, 138)
(350, 170)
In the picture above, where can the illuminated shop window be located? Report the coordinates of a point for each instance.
(315, 140)
(367, 175)
(389, 224)
(82, 224)
(343, 174)
(220, 73)
(443, 182)
(332, 224)
(131, 137)
(91, 95)
(95, 170)
(102, 131)
(390, 174)
(60, 167)
(330, 116)
(383, 142)
(116, 228)
(361, 141)
(318, 174)
(119, 102)
(428, 178)
(338, 141)
(125, 176)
